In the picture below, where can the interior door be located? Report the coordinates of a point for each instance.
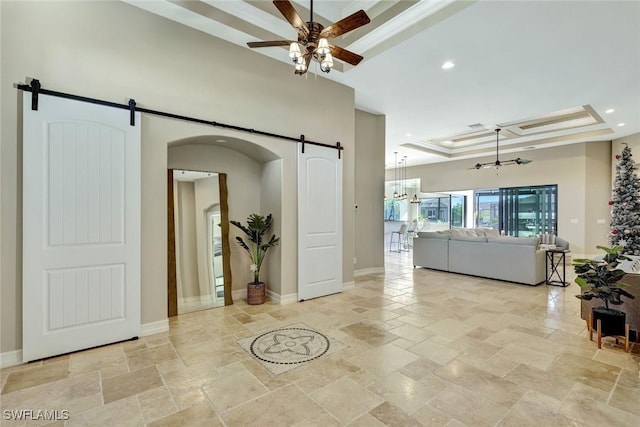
(319, 222)
(81, 226)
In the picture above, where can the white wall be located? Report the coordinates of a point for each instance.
(270, 202)
(369, 181)
(597, 195)
(113, 51)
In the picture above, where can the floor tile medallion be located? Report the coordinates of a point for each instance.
(286, 348)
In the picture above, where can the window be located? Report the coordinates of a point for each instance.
(391, 210)
(458, 204)
(448, 210)
(487, 206)
(519, 211)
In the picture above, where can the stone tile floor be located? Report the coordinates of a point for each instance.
(421, 348)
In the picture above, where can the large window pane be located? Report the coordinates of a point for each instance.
(443, 212)
(487, 209)
(518, 211)
(458, 204)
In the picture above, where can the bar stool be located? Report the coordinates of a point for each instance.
(402, 236)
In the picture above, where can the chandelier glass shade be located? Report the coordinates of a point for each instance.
(294, 51)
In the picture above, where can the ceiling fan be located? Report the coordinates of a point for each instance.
(313, 38)
(498, 162)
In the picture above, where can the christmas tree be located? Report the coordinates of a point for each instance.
(625, 203)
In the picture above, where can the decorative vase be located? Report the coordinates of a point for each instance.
(256, 293)
(612, 321)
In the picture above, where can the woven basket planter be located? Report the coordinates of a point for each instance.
(256, 294)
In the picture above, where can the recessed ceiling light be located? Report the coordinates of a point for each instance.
(620, 124)
(610, 110)
(221, 140)
(447, 142)
(448, 65)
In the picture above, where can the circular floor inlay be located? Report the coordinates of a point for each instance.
(289, 346)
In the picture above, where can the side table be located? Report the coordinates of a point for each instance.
(552, 265)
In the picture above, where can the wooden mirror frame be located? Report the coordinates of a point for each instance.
(172, 281)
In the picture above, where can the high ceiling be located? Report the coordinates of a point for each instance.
(546, 72)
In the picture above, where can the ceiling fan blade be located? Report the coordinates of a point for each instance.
(345, 55)
(270, 43)
(345, 25)
(286, 9)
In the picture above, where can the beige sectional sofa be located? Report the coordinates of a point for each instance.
(484, 253)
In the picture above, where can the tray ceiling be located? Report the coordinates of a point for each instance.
(546, 72)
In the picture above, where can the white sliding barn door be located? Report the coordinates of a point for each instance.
(319, 222)
(81, 226)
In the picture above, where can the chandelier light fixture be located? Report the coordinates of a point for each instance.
(404, 178)
(400, 178)
(395, 175)
(498, 163)
(313, 38)
(322, 53)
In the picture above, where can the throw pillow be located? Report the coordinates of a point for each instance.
(548, 239)
(561, 243)
(490, 232)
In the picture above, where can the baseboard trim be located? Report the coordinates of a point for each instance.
(10, 358)
(152, 328)
(347, 286)
(14, 357)
(288, 298)
(367, 271)
(239, 294)
(282, 299)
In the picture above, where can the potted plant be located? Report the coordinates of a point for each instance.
(257, 247)
(600, 279)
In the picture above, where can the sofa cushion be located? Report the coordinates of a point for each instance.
(470, 238)
(473, 232)
(526, 241)
(491, 232)
(433, 235)
(562, 243)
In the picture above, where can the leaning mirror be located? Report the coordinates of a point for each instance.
(198, 226)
